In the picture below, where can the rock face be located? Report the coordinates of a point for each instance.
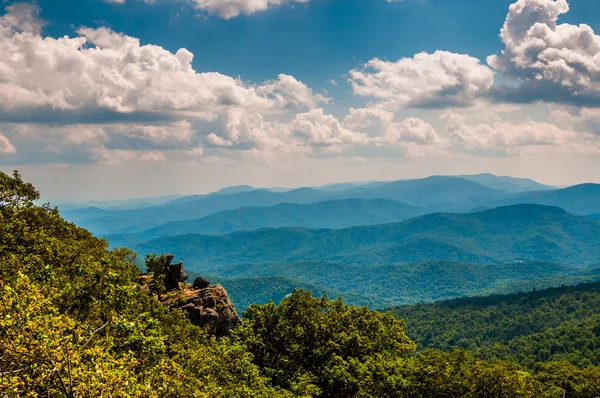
(175, 274)
(211, 307)
(204, 305)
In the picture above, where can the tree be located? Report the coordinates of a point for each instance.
(309, 344)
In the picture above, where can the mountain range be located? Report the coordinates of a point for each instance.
(500, 235)
(373, 243)
(333, 214)
(429, 195)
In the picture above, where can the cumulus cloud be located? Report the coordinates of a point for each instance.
(318, 129)
(505, 137)
(102, 69)
(41, 143)
(316, 132)
(233, 8)
(555, 62)
(426, 80)
(379, 125)
(20, 17)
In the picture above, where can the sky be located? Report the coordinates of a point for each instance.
(106, 99)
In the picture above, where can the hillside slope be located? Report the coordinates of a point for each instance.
(507, 234)
(259, 290)
(405, 284)
(554, 324)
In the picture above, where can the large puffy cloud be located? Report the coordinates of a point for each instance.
(556, 62)
(232, 8)
(111, 71)
(426, 80)
(321, 134)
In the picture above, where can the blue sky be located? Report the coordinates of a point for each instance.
(283, 95)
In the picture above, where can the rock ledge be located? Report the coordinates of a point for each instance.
(204, 305)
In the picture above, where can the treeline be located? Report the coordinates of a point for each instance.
(555, 324)
(76, 322)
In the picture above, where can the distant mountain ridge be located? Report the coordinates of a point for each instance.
(512, 233)
(335, 214)
(505, 183)
(430, 195)
(434, 193)
(579, 199)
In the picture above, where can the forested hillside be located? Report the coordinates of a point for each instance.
(396, 284)
(555, 324)
(501, 235)
(260, 290)
(77, 320)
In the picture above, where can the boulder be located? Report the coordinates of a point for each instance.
(175, 276)
(200, 283)
(211, 307)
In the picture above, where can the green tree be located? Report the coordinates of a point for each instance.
(313, 345)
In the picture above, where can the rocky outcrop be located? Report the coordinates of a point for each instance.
(211, 307)
(204, 305)
(175, 274)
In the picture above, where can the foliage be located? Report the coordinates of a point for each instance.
(555, 324)
(76, 322)
(389, 285)
(158, 266)
(244, 292)
(313, 344)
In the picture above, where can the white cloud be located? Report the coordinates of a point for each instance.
(111, 71)
(232, 8)
(380, 126)
(557, 62)
(20, 17)
(228, 9)
(318, 129)
(506, 137)
(426, 80)
(6, 146)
